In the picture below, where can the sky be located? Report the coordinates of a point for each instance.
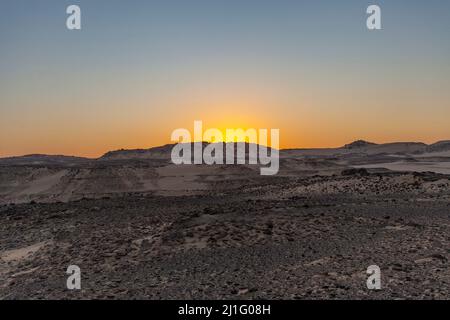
(137, 70)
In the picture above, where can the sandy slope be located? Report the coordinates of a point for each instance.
(423, 166)
(59, 178)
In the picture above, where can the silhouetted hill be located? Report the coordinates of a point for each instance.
(359, 144)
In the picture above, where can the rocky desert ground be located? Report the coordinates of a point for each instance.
(140, 227)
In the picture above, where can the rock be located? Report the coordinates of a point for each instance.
(355, 172)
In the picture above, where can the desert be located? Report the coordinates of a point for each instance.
(140, 227)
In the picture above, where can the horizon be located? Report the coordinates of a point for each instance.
(209, 142)
(138, 70)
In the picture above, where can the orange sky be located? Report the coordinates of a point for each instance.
(314, 72)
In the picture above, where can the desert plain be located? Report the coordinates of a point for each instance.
(140, 227)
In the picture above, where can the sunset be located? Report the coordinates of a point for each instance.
(224, 158)
(136, 71)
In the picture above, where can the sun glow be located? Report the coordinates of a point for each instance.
(215, 135)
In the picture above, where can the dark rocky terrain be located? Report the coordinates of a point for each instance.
(309, 237)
